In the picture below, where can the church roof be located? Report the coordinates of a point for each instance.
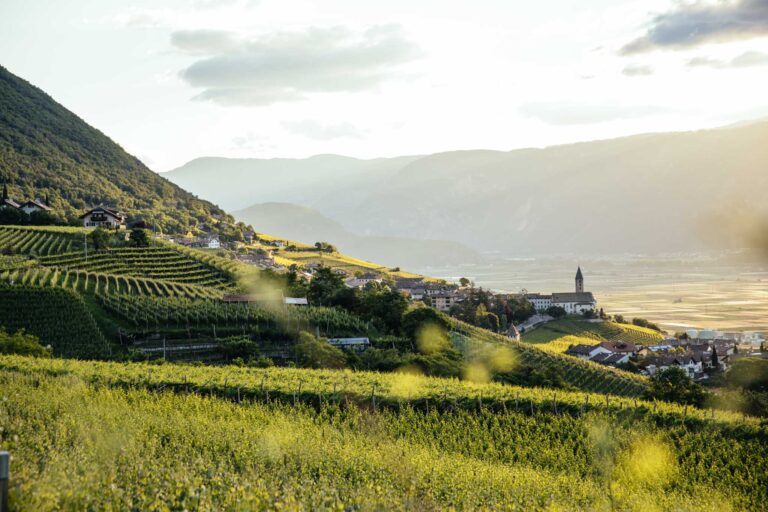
(578, 274)
(575, 297)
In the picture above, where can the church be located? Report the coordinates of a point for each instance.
(574, 302)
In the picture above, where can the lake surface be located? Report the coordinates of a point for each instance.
(678, 293)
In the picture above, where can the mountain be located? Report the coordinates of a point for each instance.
(281, 179)
(651, 193)
(46, 150)
(309, 226)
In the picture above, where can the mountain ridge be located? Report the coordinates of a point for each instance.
(532, 201)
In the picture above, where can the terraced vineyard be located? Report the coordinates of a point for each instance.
(58, 317)
(579, 374)
(159, 263)
(41, 241)
(100, 282)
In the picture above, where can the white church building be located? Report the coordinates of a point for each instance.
(572, 302)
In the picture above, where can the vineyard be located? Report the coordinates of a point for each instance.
(149, 437)
(577, 373)
(602, 331)
(102, 283)
(58, 317)
(149, 263)
(41, 241)
(179, 312)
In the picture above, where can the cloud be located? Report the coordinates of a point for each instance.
(204, 42)
(692, 24)
(572, 114)
(745, 60)
(286, 66)
(637, 70)
(318, 131)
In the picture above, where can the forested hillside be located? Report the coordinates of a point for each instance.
(47, 151)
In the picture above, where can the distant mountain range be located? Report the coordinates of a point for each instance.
(309, 226)
(652, 193)
(47, 151)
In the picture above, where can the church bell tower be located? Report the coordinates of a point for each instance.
(579, 281)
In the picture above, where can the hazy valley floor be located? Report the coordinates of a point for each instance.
(675, 293)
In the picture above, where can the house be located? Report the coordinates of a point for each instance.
(103, 217)
(619, 347)
(611, 359)
(356, 344)
(36, 205)
(443, 301)
(690, 362)
(362, 280)
(207, 242)
(295, 301)
(586, 352)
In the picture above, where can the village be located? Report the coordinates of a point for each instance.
(700, 353)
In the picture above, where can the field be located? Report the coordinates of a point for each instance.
(150, 437)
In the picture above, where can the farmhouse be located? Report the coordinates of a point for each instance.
(574, 302)
(35, 205)
(103, 217)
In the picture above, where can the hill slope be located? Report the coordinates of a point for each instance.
(308, 226)
(389, 442)
(46, 150)
(690, 189)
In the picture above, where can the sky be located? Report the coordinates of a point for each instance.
(173, 80)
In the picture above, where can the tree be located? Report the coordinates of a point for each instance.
(674, 385)
(464, 282)
(312, 352)
(100, 239)
(325, 287)
(11, 216)
(139, 238)
(556, 311)
(589, 314)
(715, 361)
(22, 344)
(415, 320)
(383, 305)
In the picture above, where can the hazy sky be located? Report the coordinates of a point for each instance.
(173, 80)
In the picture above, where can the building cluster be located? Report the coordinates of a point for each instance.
(696, 356)
(572, 303)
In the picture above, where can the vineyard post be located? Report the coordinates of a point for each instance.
(5, 474)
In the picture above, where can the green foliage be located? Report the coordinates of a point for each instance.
(749, 373)
(642, 322)
(427, 444)
(416, 320)
(556, 311)
(383, 306)
(674, 385)
(57, 317)
(328, 289)
(312, 352)
(22, 344)
(45, 150)
(139, 238)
